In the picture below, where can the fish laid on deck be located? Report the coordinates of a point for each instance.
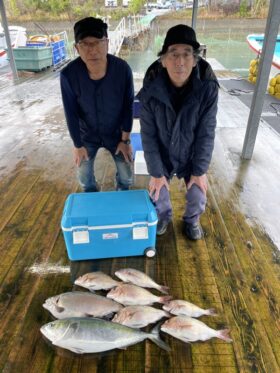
(80, 304)
(96, 281)
(132, 295)
(139, 316)
(188, 329)
(84, 335)
(182, 307)
(140, 279)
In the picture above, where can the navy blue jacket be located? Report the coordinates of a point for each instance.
(182, 143)
(98, 111)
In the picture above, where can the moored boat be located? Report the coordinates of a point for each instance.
(255, 42)
(18, 39)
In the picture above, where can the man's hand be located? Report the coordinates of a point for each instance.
(126, 151)
(79, 155)
(155, 185)
(200, 181)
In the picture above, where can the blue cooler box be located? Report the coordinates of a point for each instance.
(109, 224)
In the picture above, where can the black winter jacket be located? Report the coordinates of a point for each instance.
(182, 143)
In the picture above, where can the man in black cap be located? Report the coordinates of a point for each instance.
(178, 119)
(97, 92)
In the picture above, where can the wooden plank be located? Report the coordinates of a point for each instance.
(200, 285)
(247, 330)
(20, 181)
(261, 277)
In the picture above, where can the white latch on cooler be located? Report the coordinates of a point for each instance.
(81, 236)
(140, 233)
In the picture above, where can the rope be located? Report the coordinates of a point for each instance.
(276, 107)
(237, 92)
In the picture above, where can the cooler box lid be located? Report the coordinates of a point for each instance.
(103, 209)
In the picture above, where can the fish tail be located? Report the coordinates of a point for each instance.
(164, 289)
(165, 299)
(224, 335)
(154, 337)
(211, 312)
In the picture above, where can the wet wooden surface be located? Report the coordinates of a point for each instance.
(235, 269)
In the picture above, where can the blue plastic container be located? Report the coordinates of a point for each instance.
(109, 224)
(59, 51)
(136, 143)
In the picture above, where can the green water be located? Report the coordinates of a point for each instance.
(225, 41)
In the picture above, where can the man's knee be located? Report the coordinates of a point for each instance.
(196, 198)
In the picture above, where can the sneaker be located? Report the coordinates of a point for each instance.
(193, 231)
(161, 227)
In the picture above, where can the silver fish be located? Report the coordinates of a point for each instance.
(139, 316)
(83, 335)
(80, 304)
(182, 307)
(96, 281)
(132, 295)
(140, 279)
(188, 329)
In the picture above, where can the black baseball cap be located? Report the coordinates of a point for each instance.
(90, 26)
(179, 34)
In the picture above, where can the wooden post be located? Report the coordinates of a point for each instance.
(269, 43)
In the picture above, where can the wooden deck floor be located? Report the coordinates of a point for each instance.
(235, 269)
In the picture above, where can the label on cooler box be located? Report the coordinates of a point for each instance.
(110, 236)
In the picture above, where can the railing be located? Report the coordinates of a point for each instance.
(116, 38)
(128, 27)
(135, 26)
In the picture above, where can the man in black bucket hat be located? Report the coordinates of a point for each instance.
(97, 92)
(178, 119)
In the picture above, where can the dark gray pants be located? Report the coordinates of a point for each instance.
(195, 205)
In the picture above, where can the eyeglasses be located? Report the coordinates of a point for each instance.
(173, 56)
(86, 45)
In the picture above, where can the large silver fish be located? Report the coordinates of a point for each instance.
(80, 304)
(182, 307)
(188, 329)
(140, 279)
(139, 316)
(96, 281)
(132, 295)
(83, 335)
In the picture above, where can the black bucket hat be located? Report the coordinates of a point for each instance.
(179, 34)
(90, 26)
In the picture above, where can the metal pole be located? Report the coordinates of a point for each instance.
(194, 13)
(8, 40)
(269, 43)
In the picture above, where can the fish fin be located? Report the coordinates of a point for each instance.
(176, 310)
(137, 326)
(164, 289)
(70, 330)
(89, 315)
(73, 349)
(211, 312)
(59, 309)
(165, 299)
(154, 337)
(92, 290)
(108, 316)
(224, 335)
